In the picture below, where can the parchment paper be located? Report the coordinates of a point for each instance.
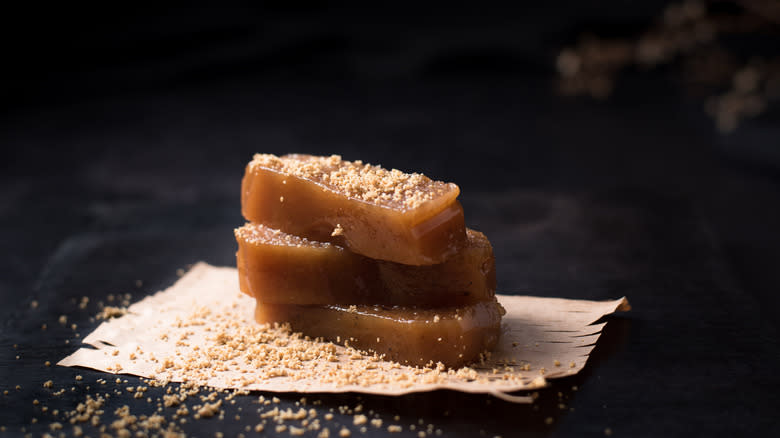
(542, 338)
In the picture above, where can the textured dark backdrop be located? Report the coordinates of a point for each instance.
(124, 134)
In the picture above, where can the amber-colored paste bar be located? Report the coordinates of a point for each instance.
(453, 336)
(379, 213)
(276, 267)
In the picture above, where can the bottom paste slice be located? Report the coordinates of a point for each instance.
(453, 336)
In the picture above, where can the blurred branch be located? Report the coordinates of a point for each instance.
(689, 32)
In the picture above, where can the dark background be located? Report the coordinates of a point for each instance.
(124, 133)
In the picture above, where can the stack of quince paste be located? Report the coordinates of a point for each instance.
(375, 259)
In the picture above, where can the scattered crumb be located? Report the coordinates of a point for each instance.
(109, 312)
(209, 409)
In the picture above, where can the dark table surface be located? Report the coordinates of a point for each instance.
(132, 172)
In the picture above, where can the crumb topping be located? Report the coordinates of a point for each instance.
(259, 234)
(366, 182)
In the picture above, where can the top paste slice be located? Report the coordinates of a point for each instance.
(383, 214)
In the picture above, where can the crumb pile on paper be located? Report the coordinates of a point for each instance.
(201, 330)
